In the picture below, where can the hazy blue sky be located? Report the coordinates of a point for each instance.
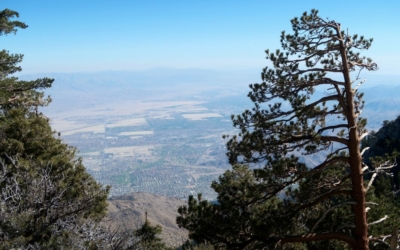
(95, 35)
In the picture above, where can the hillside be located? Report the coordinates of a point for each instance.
(385, 142)
(128, 212)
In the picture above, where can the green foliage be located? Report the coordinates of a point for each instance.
(241, 217)
(46, 194)
(147, 237)
(192, 245)
(385, 145)
(246, 217)
(282, 201)
(6, 25)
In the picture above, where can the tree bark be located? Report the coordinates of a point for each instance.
(358, 192)
(393, 240)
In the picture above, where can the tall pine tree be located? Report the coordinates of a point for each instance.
(305, 147)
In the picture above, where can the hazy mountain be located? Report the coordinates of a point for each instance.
(381, 103)
(83, 90)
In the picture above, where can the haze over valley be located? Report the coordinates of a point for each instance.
(160, 130)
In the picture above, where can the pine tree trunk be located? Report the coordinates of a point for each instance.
(358, 190)
(393, 240)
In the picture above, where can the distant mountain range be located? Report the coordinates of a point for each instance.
(381, 103)
(217, 88)
(84, 90)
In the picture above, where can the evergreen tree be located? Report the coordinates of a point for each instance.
(148, 236)
(323, 200)
(46, 193)
(13, 92)
(238, 219)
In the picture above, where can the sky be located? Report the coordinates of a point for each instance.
(98, 35)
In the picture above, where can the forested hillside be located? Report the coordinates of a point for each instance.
(385, 145)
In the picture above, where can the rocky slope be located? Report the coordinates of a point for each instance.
(128, 212)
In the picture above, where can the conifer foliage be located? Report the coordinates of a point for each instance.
(148, 238)
(47, 198)
(305, 149)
